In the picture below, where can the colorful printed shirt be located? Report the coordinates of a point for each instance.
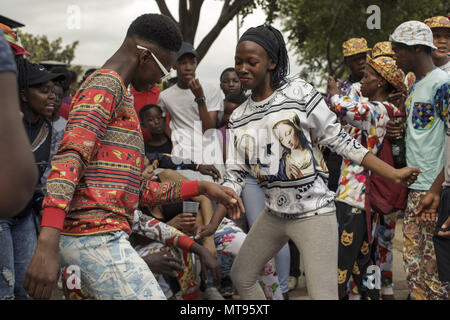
(278, 139)
(96, 180)
(366, 119)
(159, 231)
(426, 125)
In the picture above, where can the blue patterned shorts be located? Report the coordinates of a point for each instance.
(109, 268)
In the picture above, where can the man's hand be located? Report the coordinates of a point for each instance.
(184, 222)
(43, 271)
(445, 225)
(196, 88)
(333, 87)
(209, 262)
(398, 99)
(394, 129)
(163, 263)
(427, 209)
(209, 170)
(406, 175)
(223, 195)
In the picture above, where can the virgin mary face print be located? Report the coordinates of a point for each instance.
(296, 161)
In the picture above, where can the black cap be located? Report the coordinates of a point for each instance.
(186, 48)
(37, 74)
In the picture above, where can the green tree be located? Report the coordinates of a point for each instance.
(189, 17)
(316, 29)
(43, 49)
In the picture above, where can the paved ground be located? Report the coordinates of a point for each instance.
(400, 285)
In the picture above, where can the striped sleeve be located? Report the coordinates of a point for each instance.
(325, 129)
(155, 193)
(91, 112)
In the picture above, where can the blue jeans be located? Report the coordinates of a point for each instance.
(18, 241)
(253, 198)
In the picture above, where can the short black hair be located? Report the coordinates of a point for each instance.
(157, 29)
(236, 97)
(146, 108)
(230, 69)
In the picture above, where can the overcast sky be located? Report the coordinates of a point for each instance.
(103, 24)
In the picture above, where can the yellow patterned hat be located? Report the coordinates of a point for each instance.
(382, 49)
(438, 22)
(388, 69)
(354, 46)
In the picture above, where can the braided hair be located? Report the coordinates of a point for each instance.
(279, 74)
(22, 79)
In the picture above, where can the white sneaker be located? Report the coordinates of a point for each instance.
(212, 294)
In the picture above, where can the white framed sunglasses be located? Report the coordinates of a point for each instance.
(166, 74)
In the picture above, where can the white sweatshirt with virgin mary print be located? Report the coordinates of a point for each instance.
(278, 140)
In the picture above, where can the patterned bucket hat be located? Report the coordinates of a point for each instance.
(13, 40)
(438, 22)
(388, 69)
(354, 46)
(382, 49)
(413, 33)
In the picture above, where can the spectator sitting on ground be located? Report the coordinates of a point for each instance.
(159, 147)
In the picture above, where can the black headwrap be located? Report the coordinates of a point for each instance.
(263, 36)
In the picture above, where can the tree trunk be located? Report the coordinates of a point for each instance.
(189, 17)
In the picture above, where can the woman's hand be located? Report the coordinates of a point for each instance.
(406, 175)
(333, 87)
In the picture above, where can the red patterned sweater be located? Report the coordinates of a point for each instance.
(96, 180)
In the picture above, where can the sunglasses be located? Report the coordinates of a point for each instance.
(166, 74)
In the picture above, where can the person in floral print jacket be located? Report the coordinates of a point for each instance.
(368, 119)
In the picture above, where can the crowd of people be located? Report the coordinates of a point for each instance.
(140, 185)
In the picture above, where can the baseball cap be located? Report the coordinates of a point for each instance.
(186, 48)
(37, 74)
(413, 33)
(354, 46)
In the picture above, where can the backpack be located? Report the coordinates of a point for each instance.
(382, 195)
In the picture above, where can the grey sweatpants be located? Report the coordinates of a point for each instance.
(317, 239)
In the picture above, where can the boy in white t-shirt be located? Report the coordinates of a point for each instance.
(193, 109)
